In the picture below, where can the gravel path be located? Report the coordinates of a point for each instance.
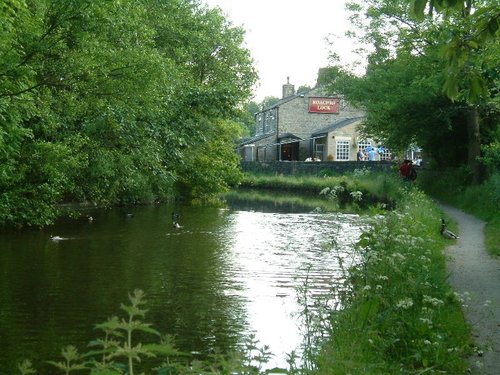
(475, 275)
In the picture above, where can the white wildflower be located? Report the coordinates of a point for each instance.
(433, 301)
(398, 256)
(324, 191)
(405, 303)
(357, 195)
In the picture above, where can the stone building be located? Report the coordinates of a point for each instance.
(309, 125)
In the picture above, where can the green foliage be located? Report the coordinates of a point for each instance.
(71, 359)
(491, 156)
(101, 102)
(215, 167)
(453, 187)
(410, 62)
(399, 314)
(121, 352)
(472, 32)
(26, 368)
(269, 101)
(360, 190)
(246, 118)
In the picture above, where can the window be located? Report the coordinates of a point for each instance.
(318, 152)
(362, 144)
(386, 155)
(260, 124)
(342, 150)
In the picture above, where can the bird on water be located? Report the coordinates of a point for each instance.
(175, 220)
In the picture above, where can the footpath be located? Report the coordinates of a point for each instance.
(475, 276)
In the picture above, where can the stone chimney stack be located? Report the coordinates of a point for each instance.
(288, 89)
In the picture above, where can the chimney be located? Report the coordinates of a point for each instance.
(288, 89)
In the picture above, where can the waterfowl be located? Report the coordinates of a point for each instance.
(56, 238)
(446, 233)
(175, 220)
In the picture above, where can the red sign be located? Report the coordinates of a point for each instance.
(324, 105)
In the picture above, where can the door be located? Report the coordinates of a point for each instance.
(290, 151)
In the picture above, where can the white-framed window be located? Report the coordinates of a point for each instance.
(386, 155)
(363, 144)
(342, 150)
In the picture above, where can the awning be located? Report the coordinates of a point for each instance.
(288, 138)
(284, 139)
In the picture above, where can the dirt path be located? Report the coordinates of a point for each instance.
(475, 275)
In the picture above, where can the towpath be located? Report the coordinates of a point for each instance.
(475, 275)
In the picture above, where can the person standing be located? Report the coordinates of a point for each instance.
(372, 154)
(412, 173)
(404, 170)
(360, 155)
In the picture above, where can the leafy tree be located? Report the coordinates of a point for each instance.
(102, 102)
(246, 118)
(269, 101)
(303, 89)
(402, 88)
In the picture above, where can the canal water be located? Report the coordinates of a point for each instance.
(225, 274)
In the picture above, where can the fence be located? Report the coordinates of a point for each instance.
(314, 168)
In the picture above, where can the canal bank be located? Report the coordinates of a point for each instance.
(397, 313)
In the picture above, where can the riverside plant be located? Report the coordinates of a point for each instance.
(120, 352)
(398, 315)
(316, 308)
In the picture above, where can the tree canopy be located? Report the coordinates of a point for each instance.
(418, 87)
(116, 102)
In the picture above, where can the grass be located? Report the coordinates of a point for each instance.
(400, 315)
(356, 191)
(277, 201)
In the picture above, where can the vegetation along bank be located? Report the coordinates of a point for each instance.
(395, 313)
(398, 313)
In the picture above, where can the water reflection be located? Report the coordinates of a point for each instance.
(224, 274)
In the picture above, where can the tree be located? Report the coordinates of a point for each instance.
(269, 101)
(246, 118)
(103, 102)
(303, 89)
(402, 87)
(471, 54)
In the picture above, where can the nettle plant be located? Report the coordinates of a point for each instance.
(119, 351)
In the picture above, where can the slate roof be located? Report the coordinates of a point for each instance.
(286, 100)
(336, 125)
(288, 136)
(255, 139)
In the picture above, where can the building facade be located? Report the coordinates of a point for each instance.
(309, 126)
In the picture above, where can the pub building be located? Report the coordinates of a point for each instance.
(304, 126)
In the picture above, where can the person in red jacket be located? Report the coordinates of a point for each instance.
(404, 170)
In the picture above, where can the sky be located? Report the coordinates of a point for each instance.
(287, 38)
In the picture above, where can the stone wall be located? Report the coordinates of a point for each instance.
(294, 116)
(315, 168)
